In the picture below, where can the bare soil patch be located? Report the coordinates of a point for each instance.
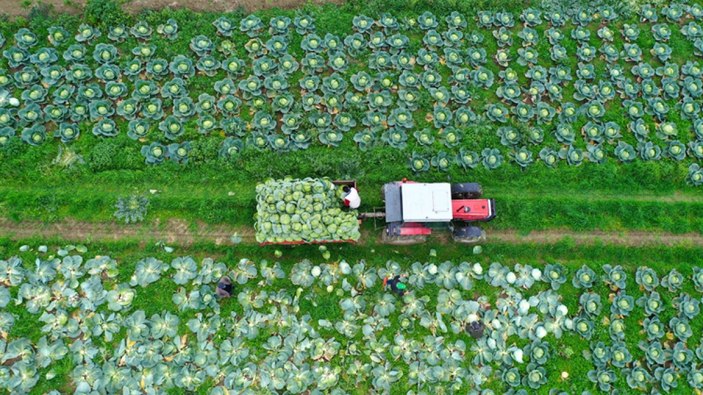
(174, 231)
(16, 7)
(219, 5)
(630, 238)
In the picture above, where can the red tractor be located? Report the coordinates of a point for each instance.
(411, 206)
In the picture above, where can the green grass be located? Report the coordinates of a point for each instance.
(565, 252)
(571, 203)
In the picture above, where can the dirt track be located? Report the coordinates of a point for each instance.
(174, 231)
(179, 232)
(630, 238)
(15, 8)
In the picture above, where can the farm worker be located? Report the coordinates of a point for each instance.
(224, 288)
(475, 329)
(351, 197)
(396, 285)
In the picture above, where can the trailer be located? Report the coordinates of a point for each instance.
(304, 211)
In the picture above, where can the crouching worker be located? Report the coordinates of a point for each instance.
(475, 329)
(224, 288)
(351, 197)
(396, 285)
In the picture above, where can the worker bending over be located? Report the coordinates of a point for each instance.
(224, 288)
(396, 285)
(351, 197)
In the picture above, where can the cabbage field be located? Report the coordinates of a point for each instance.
(554, 88)
(310, 327)
(144, 156)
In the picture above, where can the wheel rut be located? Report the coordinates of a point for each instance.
(179, 232)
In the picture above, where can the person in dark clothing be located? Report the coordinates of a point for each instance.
(224, 288)
(397, 286)
(475, 329)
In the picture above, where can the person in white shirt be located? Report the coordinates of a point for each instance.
(351, 197)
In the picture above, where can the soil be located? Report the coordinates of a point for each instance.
(219, 5)
(16, 8)
(174, 231)
(179, 232)
(630, 238)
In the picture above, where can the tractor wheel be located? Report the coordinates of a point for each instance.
(468, 235)
(467, 190)
(401, 240)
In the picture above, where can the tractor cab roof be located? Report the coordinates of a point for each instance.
(418, 202)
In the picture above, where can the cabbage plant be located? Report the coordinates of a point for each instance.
(536, 376)
(491, 158)
(154, 153)
(681, 328)
(647, 278)
(673, 281)
(169, 29)
(120, 297)
(654, 328)
(131, 209)
(148, 271)
(419, 163)
(442, 161)
(591, 304)
(667, 378)
(697, 278)
(184, 269)
(652, 303)
(585, 277)
(622, 304)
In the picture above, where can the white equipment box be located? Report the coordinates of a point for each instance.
(426, 202)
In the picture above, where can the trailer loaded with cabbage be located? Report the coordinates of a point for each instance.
(299, 211)
(295, 211)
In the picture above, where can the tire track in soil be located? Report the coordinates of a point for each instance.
(175, 231)
(17, 7)
(629, 238)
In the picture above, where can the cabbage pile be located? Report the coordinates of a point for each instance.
(307, 210)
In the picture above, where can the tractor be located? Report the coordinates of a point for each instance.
(412, 210)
